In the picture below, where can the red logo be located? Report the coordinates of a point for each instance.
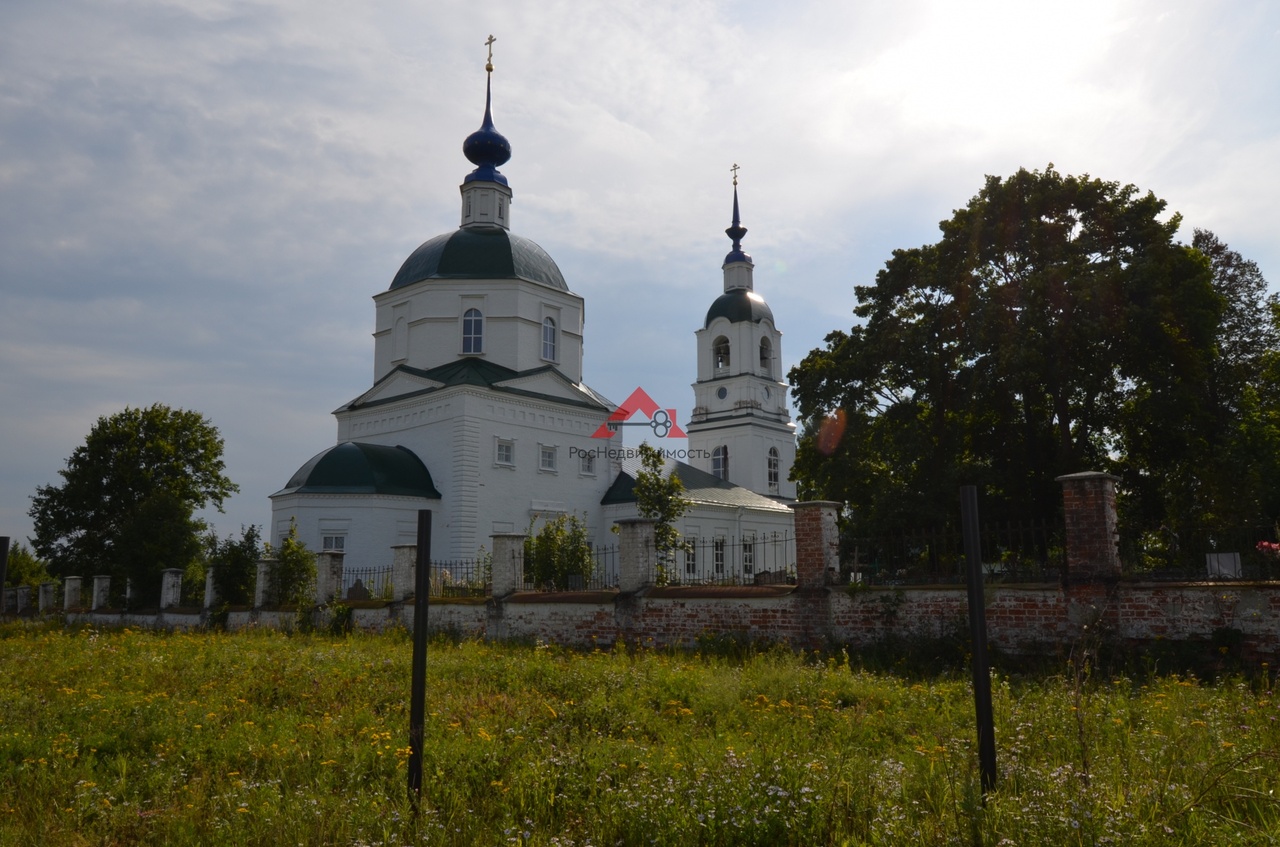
(661, 421)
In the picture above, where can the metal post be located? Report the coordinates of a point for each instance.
(418, 682)
(978, 630)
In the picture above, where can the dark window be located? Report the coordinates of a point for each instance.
(472, 331)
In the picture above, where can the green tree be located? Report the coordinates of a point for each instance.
(25, 568)
(1057, 326)
(293, 579)
(660, 497)
(235, 565)
(558, 553)
(127, 502)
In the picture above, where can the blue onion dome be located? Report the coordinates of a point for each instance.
(486, 148)
(736, 231)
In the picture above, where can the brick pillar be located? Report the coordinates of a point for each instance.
(262, 584)
(71, 592)
(508, 562)
(170, 587)
(636, 554)
(101, 592)
(329, 576)
(47, 590)
(817, 543)
(404, 558)
(1089, 507)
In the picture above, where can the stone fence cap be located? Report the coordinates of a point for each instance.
(1086, 475)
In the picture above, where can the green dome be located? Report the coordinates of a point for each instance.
(480, 253)
(355, 468)
(739, 305)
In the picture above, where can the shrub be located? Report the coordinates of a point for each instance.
(559, 552)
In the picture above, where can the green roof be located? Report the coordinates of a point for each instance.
(739, 305)
(356, 468)
(480, 253)
(699, 486)
(471, 370)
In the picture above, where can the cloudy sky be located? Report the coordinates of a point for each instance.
(199, 198)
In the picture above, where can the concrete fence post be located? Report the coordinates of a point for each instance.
(404, 558)
(637, 556)
(47, 595)
(71, 592)
(817, 543)
(8, 600)
(170, 588)
(1089, 511)
(210, 589)
(329, 575)
(22, 598)
(508, 562)
(262, 582)
(101, 592)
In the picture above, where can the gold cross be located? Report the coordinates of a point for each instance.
(488, 66)
(735, 173)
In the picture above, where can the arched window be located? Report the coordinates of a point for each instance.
(720, 463)
(773, 470)
(472, 331)
(766, 357)
(549, 339)
(720, 354)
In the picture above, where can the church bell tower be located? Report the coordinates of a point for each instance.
(741, 429)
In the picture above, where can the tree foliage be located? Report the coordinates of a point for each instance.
(293, 576)
(660, 497)
(1056, 326)
(559, 554)
(235, 565)
(127, 502)
(25, 568)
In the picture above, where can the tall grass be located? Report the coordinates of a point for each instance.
(127, 737)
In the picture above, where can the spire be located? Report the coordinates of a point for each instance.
(487, 148)
(737, 230)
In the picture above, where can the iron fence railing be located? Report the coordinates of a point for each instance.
(1012, 551)
(1199, 554)
(461, 578)
(760, 559)
(371, 583)
(603, 575)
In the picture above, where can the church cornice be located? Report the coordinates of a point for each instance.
(484, 376)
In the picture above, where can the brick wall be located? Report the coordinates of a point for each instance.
(1020, 619)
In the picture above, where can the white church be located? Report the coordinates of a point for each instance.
(478, 410)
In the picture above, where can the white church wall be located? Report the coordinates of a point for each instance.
(421, 325)
(369, 524)
(481, 493)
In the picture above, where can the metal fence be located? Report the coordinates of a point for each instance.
(367, 583)
(1200, 554)
(1012, 551)
(764, 559)
(456, 578)
(461, 578)
(603, 576)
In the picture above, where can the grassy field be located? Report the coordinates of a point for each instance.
(119, 737)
